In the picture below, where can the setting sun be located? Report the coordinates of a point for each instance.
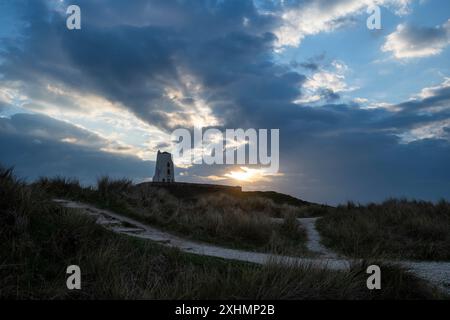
(249, 174)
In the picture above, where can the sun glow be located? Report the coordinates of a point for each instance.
(250, 175)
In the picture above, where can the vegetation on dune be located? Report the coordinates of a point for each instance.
(398, 229)
(220, 218)
(39, 239)
(395, 229)
(276, 204)
(302, 208)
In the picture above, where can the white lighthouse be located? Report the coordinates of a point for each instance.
(164, 168)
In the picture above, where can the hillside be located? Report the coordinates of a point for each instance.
(39, 239)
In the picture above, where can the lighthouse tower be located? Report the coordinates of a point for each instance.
(164, 168)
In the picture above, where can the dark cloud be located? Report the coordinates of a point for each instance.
(32, 144)
(3, 107)
(423, 36)
(328, 95)
(40, 126)
(310, 66)
(162, 146)
(419, 111)
(411, 41)
(136, 54)
(365, 166)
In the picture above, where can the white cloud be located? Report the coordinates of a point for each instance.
(119, 130)
(10, 93)
(361, 100)
(417, 42)
(324, 83)
(328, 80)
(193, 110)
(439, 129)
(381, 105)
(434, 130)
(313, 17)
(6, 95)
(431, 91)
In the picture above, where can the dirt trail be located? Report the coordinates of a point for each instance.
(313, 243)
(313, 236)
(437, 273)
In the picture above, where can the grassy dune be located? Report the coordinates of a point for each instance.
(394, 229)
(219, 218)
(39, 239)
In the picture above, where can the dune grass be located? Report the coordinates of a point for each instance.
(219, 218)
(224, 219)
(280, 202)
(396, 229)
(39, 239)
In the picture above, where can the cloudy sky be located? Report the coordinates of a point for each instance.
(363, 114)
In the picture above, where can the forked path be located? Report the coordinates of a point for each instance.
(437, 273)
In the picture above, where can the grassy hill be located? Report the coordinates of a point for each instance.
(39, 239)
(226, 217)
(395, 229)
(278, 198)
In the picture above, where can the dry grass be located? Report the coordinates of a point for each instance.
(39, 239)
(219, 218)
(394, 229)
(222, 218)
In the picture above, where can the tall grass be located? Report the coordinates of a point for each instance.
(394, 229)
(279, 202)
(60, 186)
(222, 218)
(39, 239)
(219, 218)
(107, 186)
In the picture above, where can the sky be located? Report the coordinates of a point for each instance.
(364, 115)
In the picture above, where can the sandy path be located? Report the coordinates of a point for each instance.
(313, 243)
(113, 221)
(313, 236)
(437, 273)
